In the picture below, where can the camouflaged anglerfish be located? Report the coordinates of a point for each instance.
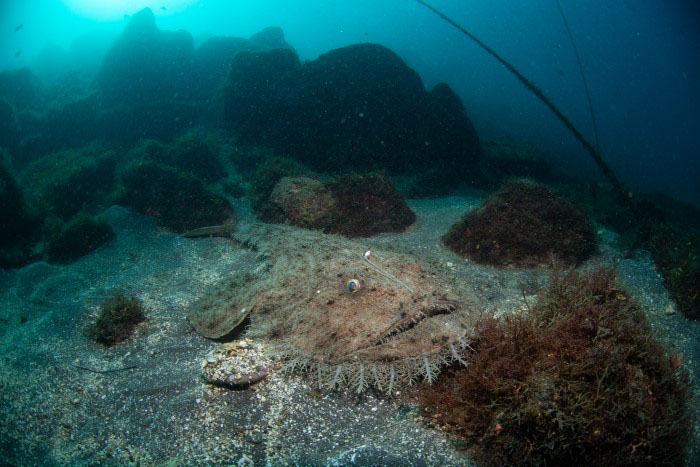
(339, 313)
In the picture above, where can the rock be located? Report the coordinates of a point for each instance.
(257, 95)
(19, 230)
(358, 106)
(145, 63)
(20, 87)
(64, 183)
(305, 202)
(523, 225)
(79, 237)
(179, 200)
(9, 129)
(366, 205)
(212, 60)
(506, 158)
(236, 365)
(271, 38)
(355, 206)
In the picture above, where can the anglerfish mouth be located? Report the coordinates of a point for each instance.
(428, 308)
(414, 347)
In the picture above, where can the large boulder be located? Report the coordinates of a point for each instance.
(305, 202)
(524, 225)
(179, 200)
(20, 87)
(212, 60)
(258, 97)
(353, 205)
(146, 63)
(19, 229)
(358, 106)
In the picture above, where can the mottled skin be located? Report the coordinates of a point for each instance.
(401, 323)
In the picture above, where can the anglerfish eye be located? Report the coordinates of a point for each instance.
(353, 285)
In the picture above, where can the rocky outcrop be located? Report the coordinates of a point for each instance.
(356, 107)
(354, 206)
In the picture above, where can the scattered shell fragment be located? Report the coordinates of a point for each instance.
(236, 364)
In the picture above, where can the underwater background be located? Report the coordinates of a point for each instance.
(641, 60)
(203, 204)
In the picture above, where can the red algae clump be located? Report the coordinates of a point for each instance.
(581, 376)
(523, 226)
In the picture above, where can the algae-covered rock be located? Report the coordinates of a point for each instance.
(366, 205)
(305, 202)
(195, 151)
(266, 176)
(357, 106)
(356, 206)
(178, 200)
(66, 182)
(524, 225)
(581, 376)
(19, 229)
(79, 237)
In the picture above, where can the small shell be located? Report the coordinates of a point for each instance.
(353, 285)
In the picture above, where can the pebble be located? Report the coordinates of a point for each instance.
(235, 363)
(255, 437)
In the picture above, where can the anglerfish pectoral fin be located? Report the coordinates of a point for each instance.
(216, 323)
(225, 307)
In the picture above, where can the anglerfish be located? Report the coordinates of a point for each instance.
(342, 314)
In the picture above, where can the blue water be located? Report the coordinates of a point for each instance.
(641, 59)
(134, 134)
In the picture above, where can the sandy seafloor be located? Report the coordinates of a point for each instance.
(161, 411)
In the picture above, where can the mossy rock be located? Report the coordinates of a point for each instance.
(305, 202)
(67, 182)
(19, 229)
(366, 205)
(118, 318)
(178, 200)
(266, 176)
(350, 205)
(524, 225)
(676, 254)
(195, 151)
(581, 376)
(246, 159)
(79, 237)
